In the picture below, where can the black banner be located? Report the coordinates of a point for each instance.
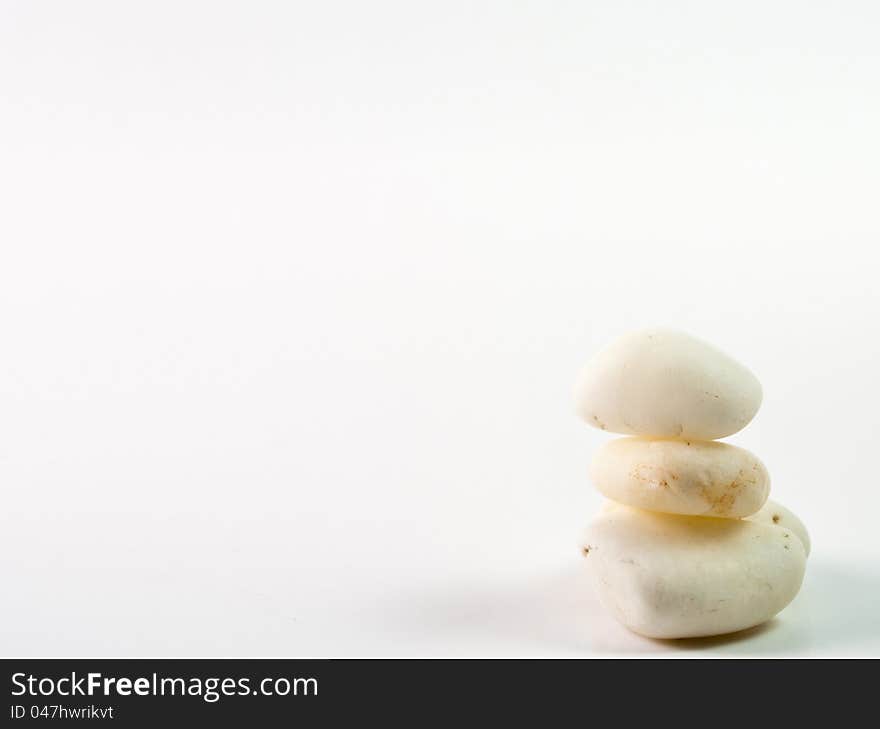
(242, 692)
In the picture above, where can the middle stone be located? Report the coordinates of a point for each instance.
(704, 478)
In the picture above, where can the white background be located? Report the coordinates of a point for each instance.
(293, 296)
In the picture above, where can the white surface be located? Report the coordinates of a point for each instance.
(293, 297)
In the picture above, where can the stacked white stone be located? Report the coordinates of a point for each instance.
(687, 544)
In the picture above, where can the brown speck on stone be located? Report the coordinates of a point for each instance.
(586, 550)
(723, 504)
(776, 518)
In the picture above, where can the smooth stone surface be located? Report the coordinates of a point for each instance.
(668, 384)
(775, 513)
(681, 477)
(670, 576)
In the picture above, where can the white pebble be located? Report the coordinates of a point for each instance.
(670, 576)
(668, 384)
(681, 477)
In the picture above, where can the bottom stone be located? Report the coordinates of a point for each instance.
(670, 576)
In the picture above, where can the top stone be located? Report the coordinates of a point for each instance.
(666, 384)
